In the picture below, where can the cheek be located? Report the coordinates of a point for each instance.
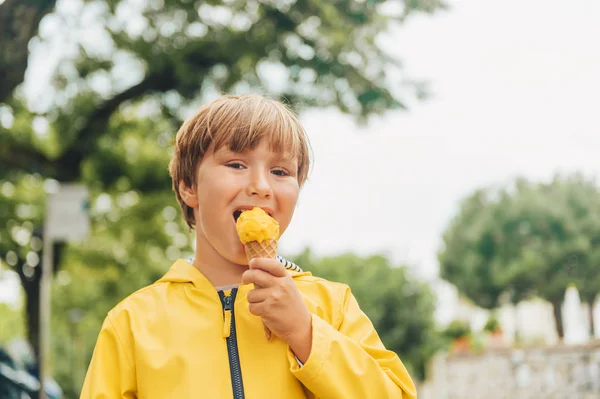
(212, 196)
(288, 196)
(215, 188)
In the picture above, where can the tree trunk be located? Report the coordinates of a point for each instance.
(591, 314)
(517, 334)
(557, 305)
(31, 285)
(19, 23)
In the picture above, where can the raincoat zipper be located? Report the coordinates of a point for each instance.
(229, 333)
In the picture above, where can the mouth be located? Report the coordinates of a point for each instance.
(236, 215)
(238, 212)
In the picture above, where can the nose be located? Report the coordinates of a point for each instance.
(259, 185)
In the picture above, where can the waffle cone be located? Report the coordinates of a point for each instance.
(265, 249)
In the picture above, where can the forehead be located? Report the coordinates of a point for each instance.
(278, 136)
(273, 149)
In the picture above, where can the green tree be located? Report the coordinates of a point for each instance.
(529, 239)
(180, 53)
(113, 106)
(113, 263)
(400, 307)
(19, 23)
(583, 198)
(12, 323)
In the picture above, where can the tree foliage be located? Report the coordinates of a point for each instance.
(150, 62)
(400, 307)
(128, 74)
(178, 52)
(19, 23)
(12, 323)
(529, 239)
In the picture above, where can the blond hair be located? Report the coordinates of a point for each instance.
(240, 122)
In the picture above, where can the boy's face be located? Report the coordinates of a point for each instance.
(227, 181)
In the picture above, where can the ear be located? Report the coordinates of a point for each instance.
(188, 195)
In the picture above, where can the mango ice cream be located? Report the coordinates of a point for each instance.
(256, 225)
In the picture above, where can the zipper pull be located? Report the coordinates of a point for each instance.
(227, 308)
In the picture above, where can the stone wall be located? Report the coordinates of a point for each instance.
(571, 372)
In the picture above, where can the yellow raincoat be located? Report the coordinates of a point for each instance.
(180, 338)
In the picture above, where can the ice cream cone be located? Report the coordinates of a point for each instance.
(265, 249)
(259, 233)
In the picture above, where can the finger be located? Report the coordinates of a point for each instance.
(271, 266)
(259, 278)
(257, 309)
(258, 295)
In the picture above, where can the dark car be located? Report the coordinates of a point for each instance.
(17, 380)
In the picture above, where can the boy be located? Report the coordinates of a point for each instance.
(198, 332)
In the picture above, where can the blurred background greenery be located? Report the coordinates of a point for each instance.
(128, 72)
(118, 96)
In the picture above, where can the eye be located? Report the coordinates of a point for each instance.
(235, 165)
(280, 172)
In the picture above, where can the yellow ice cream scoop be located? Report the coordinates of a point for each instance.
(256, 225)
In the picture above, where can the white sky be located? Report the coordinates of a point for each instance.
(516, 87)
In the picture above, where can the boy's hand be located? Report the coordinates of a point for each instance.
(278, 302)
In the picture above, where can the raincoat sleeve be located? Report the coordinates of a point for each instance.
(111, 373)
(350, 361)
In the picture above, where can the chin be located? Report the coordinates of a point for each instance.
(243, 261)
(239, 257)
